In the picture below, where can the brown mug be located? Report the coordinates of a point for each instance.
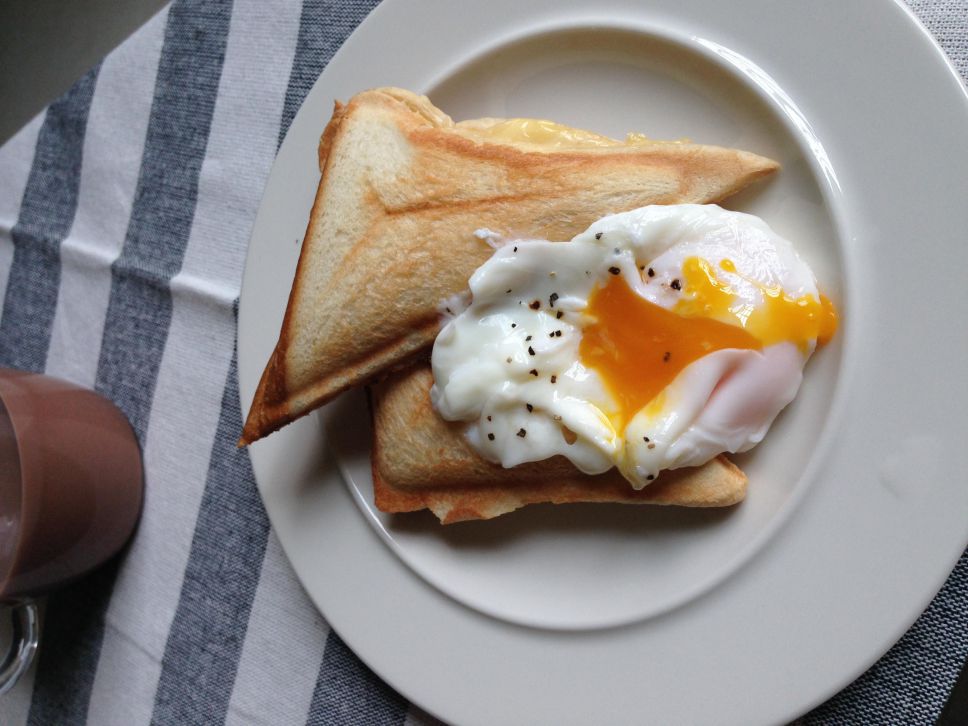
(71, 484)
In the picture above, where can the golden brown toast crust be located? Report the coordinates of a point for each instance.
(421, 461)
(391, 232)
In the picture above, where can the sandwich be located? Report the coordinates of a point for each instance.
(395, 229)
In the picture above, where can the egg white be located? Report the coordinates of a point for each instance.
(509, 364)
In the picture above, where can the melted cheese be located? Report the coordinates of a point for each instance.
(545, 133)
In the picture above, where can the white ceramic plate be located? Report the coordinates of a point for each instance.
(857, 504)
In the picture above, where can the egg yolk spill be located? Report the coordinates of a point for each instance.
(638, 348)
(779, 318)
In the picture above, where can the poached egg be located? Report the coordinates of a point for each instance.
(656, 339)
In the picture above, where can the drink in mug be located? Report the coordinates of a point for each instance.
(71, 486)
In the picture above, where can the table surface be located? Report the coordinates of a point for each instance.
(161, 636)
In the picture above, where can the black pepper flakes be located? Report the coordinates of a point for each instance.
(514, 325)
(651, 272)
(489, 418)
(530, 407)
(535, 304)
(650, 477)
(530, 350)
(557, 333)
(644, 438)
(522, 433)
(559, 314)
(598, 235)
(527, 339)
(490, 437)
(533, 371)
(515, 249)
(508, 291)
(554, 379)
(551, 300)
(614, 270)
(666, 356)
(675, 284)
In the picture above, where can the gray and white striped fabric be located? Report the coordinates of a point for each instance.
(125, 210)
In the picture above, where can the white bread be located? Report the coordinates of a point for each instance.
(421, 461)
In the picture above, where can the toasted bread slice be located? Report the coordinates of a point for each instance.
(421, 461)
(391, 233)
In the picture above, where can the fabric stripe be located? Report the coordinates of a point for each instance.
(113, 145)
(347, 692)
(286, 634)
(16, 157)
(203, 647)
(152, 619)
(179, 683)
(139, 311)
(46, 215)
(323, 27)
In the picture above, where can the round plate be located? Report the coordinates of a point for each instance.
(611, 613)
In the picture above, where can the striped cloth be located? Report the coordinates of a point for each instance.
(125, 210)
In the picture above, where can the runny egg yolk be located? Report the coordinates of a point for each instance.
(638, 348)
(778, 318)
